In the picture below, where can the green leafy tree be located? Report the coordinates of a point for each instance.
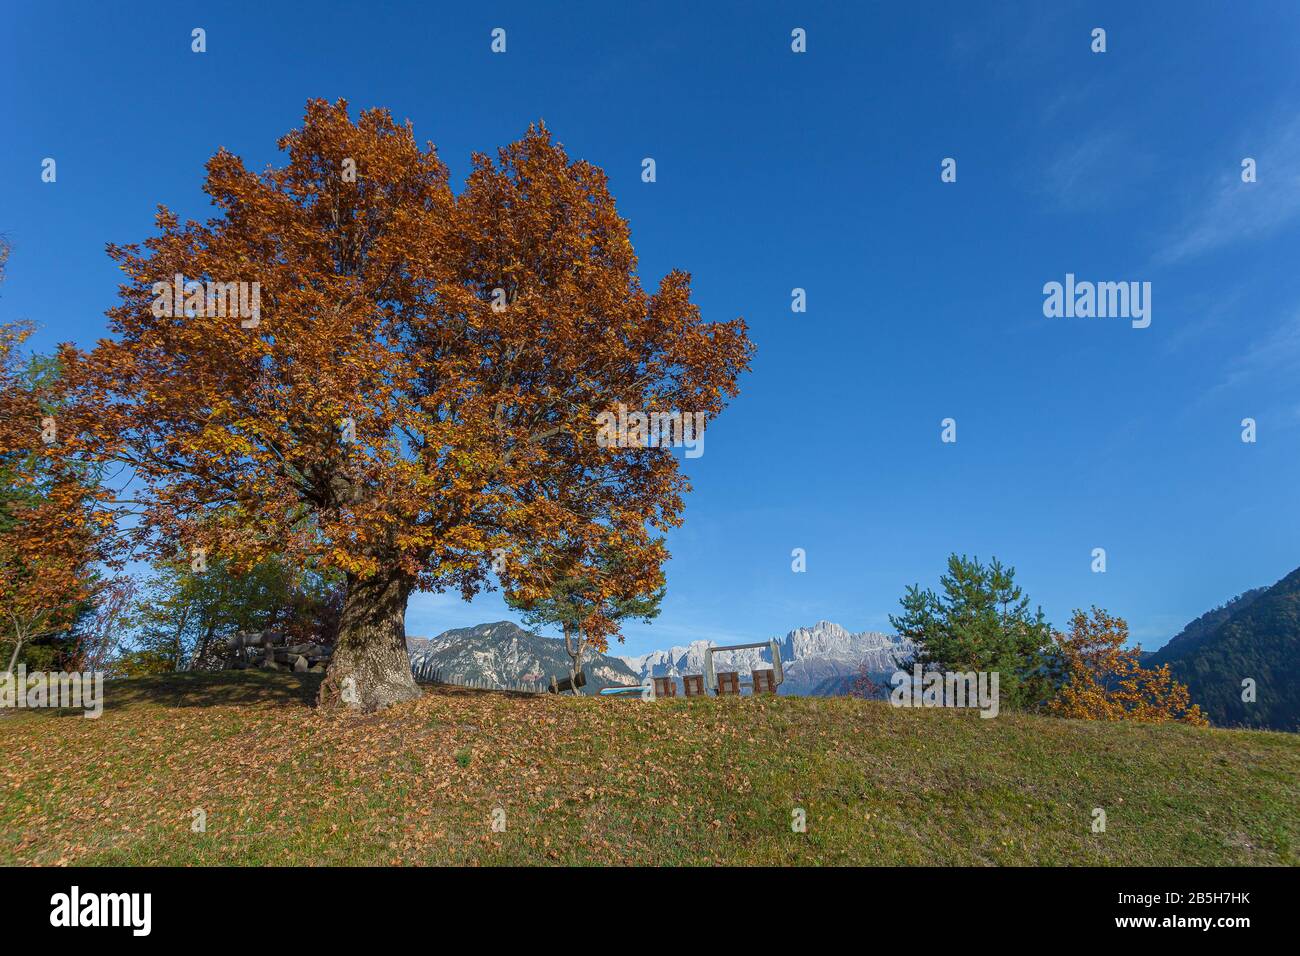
(981, 622)
(183, 616)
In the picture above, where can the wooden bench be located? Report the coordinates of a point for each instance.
(693, 685)
(764, 681)
(728, 682)
(665, 687)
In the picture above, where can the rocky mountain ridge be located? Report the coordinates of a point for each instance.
(818, 660)
(503, 653)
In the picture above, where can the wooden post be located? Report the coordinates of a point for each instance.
(764, 681)
(728, 683)
(693, 685)
(665, 687)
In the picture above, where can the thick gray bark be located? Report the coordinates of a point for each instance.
(370, 668)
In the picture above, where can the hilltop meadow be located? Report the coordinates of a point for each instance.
(240, 768)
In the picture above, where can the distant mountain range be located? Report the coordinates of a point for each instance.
(1255, 635)
(820, 660)
(504, 653)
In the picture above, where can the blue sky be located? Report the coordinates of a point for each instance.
(819, 170)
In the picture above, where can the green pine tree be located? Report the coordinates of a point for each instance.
(981, 622)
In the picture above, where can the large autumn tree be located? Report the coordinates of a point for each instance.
(421, 365)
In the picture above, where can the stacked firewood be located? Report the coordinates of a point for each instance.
(272, 651)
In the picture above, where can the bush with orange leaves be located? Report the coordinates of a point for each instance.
(1104, 680)
(53, 537)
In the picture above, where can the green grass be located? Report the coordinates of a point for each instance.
(591, 781)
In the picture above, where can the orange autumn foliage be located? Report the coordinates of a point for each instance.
(416, 403)
(1104, 680)
(53, 533)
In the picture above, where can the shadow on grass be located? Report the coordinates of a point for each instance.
(213, 689)
(455, 690)
(242, 688)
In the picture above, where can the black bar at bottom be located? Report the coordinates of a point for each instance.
(327, 906)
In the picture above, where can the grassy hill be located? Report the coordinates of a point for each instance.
(585, 781)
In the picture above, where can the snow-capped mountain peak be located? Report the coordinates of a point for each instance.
(821, 659)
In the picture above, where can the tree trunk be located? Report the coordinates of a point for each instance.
(575, 654)
(201, 651)
(370, 668)
(18, 646)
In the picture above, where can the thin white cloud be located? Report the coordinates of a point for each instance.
(1275, 357)
(1095, 172)
(1231, 211)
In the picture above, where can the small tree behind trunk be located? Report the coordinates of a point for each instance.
(13, 658)
(22, 633)
(574, 647)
